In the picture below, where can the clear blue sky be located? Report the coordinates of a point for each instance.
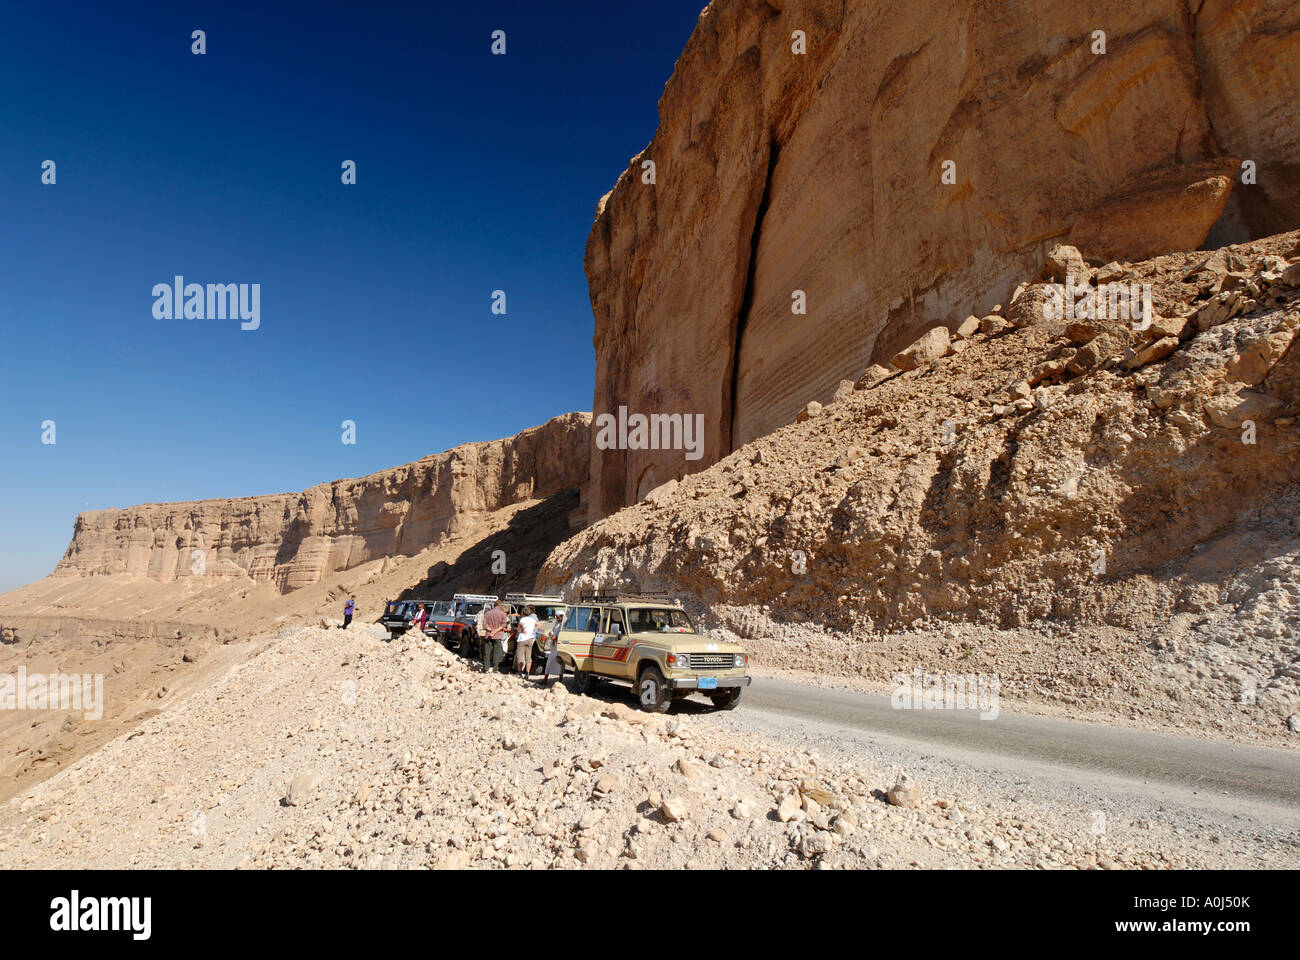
(474, 173)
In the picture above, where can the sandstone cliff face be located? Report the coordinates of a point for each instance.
(777, 172)
(295, 539)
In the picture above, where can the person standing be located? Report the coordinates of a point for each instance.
(420, 619)
(495, 624)
(554, 665)
(347, 611)
(524, 642)
(478, 620)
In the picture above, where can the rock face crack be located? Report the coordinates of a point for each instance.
(747, 299)
(1145, 146)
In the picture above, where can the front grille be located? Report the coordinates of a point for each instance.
(712, 661)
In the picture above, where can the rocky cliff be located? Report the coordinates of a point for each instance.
(1104, 514)
(295, 539)
(815, 181)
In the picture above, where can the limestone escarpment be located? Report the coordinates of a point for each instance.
(778, 172)
(295, 539)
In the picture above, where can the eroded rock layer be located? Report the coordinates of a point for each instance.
(295, 539)
(777, 172)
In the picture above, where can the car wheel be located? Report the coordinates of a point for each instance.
(583, 681)
(651, 692)
(727, 699)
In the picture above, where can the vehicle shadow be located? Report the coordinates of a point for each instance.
(616, 693)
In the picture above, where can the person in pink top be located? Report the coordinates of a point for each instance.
(420, 619)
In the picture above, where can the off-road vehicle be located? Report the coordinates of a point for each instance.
(455, 626)
(545, 607)
(649, 642)
(398, 614)
(438, 610)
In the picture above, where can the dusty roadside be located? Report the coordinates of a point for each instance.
(333, 749)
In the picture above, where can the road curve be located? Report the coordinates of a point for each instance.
(1267, 774)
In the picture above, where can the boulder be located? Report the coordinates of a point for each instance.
(1231, 410)
(932, 345)
(811, 411)
(1064, 262)
(1152, 352)
(873, 376)
(301, 788)
(673, 809)
(967, 329)
(904, 793)
(1258, 356)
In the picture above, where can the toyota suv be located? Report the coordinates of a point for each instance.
(650, 643)
(454, 626)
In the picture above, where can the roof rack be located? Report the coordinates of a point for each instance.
(474, 598)
(645, 596)
(530, 597)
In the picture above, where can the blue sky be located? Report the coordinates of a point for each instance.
(475, 173)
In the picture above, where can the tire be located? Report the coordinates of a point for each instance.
(728, 699)
(651, 692)
(468, 648)
(584, 682)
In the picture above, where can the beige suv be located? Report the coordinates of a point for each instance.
(650, 643)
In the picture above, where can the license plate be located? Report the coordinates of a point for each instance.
(708, 683)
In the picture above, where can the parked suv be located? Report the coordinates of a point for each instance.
(649, 642)
(545, 607)
(438, 610)
(397, 615)
(455, 626)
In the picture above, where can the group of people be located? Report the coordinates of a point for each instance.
(493, 626)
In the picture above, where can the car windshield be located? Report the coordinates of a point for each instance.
(545, 613)
(658, 619)
(470, 608)
(440, 608)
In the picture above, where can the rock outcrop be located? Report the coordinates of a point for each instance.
(1099, 470)
(296, 539)
(799, 225)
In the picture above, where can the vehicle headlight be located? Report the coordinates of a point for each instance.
(679, 660)
(741, 659)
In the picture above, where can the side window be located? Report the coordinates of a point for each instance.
(614, 624)
(580, 620)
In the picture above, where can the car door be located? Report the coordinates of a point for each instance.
(578, 634)
(611, 646)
